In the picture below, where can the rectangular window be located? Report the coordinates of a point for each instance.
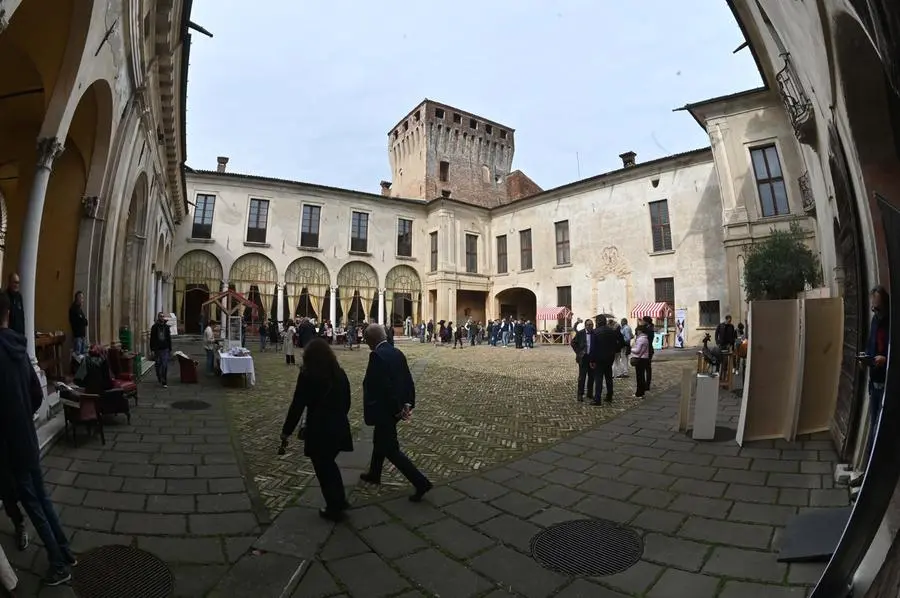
(562, 242)
(659, 222)
(525, 262)
(471, 254)
(665, 290)
(502, 265)
(445, 171)
(665, 293)
(404, 237)
(770, 181)
(434, 251)
(258, 221)
(309, 227)
(709, 314)
(564, 297)
(203, 217)
(359, 232)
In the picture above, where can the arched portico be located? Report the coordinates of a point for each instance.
(255, 276)
(307, 284)
(40, 114)
(516, 302)
(402, 295)
(357, 291)
(198, 274)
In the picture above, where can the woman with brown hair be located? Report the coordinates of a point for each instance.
(323, 391)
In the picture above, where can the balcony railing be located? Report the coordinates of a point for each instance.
(798, 105)
(806, 194)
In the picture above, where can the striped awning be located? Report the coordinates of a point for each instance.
(653, 309)
(553, 313)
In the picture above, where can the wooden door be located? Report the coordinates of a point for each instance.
(848, 239)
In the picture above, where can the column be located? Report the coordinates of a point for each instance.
(48, 149)
(381, 306)
(279, 302)
(224, 323)
(332, 306)
(451, 305)
(159, 294)
(152, 303)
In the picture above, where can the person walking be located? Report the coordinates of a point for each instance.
(20, 397)
(16, 304)
(640, 357)
(650, 331)
(875, 358)
(209, 344)
(725, 335)
(389, 396)
(161, 345)
(323, 391)
(289, 343)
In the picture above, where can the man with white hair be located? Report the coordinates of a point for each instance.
(389, 396)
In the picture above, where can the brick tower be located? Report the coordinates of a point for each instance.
(441, 151)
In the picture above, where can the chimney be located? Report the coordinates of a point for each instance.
(223, 162)
(628, 159)
(386, 188)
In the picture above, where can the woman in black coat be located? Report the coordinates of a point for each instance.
(323, 390)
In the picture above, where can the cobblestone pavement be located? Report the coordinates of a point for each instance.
(170, 483)
(710, 515)
(476, 407)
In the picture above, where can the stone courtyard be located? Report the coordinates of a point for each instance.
(511, 453)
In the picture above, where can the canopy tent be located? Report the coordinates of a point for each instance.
(655, 309)
(553, 313)
(239, 301)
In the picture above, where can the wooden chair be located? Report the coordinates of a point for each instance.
(81, 409)
(188, 369)
(119, 366)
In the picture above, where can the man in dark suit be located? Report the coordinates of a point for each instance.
(581, 344)
(605, 344)
(161, 345)
(389, 395)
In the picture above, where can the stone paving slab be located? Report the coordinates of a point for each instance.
(702, 537)
(169, 483)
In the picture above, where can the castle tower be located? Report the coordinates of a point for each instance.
(441, 151)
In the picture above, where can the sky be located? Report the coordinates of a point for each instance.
(308, 91)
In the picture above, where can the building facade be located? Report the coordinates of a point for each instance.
(91, 157)
(445, 241)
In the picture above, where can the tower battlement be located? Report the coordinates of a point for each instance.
(440, 151)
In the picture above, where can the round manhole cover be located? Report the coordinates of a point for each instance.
(191, 405)
(588, 547)
(117, 571)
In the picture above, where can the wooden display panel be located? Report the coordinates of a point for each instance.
(774, 359)
(824, 341)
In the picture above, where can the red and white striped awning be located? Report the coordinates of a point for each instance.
(553, 313)
(653, 309)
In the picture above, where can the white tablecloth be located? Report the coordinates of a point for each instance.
(229, 364)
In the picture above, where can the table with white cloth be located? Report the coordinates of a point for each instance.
(237, 364)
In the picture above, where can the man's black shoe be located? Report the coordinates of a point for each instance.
(580, 399)
(21, 537)
(420, 493)
(368, 478)
(331, 515)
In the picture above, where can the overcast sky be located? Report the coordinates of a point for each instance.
(308, 90)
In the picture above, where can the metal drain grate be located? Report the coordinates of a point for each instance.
(118, 571)
(588, 547)
(191, 405)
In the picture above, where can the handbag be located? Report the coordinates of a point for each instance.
(634, 362)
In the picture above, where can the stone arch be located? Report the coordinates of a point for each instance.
(516, 302)
(255, 276)
(402, 295)
(307, 284)
(132, 245)
(198, 274)
(357, 284)
(864, 163)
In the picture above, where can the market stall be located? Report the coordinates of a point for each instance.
(558, 335)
